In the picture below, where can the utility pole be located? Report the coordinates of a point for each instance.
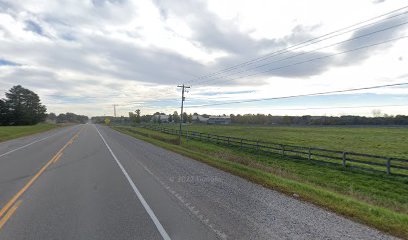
(183, 87)
(114, 109)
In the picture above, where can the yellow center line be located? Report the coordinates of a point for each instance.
(34, 178)
(57, 158)
(10, 213)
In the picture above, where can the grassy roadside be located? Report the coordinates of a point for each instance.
(11, 132)
(376, 200)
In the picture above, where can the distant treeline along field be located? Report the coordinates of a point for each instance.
(260, 119)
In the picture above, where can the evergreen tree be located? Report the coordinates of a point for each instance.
(3, 113)
(22, 107)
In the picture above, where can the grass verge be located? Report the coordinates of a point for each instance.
(11, 132)
(376, 200)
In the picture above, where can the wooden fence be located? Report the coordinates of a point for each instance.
(368, 162)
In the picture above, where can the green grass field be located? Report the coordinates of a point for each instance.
(11, 132)
(387, 141)
(374, 199)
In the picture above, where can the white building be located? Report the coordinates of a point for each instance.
(219, 120)
(200, 119)
(163, 118)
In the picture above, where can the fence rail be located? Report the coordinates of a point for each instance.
(368, 162)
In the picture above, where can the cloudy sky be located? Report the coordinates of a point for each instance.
(84, 56)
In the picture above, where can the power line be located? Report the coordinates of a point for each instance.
(308, 52)
(318, 58)
(279, 52)
(301, 95)
(342, 107)
(296, 46)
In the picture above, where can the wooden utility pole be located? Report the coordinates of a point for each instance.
(114, 109)
(183, 89)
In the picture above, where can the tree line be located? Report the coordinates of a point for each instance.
(268, 119)
(263, 119)
(67, 118)
(136, 117)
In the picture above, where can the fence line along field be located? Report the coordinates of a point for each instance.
(385, 141)
(363, 161)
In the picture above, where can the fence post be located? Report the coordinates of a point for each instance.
(208, 137)
(344, 159)
(388, 165)
(228, 141)
(310, 154)
(283, 149)
(187, 135)
(257, 146)
(241, 144)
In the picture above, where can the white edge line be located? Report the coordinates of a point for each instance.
(31, 143)
(138, 194)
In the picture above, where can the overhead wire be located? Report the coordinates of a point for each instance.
(308, 52)
(299, 45)
(337, 107)
(301, 95)
(318, 58)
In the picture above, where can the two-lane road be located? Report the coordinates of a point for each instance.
(91, 182)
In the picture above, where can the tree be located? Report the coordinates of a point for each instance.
(176, 117)
(22, 107)
(71, 118)
(145, 118)
(376, 113)
(132, 117)
(185, 117)
(52, 116)
(190, 118)
(170, 118)
(137, 119)
(3, 113)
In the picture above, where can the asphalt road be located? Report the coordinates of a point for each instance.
(91, 182)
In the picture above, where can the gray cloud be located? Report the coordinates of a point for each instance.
(363, 54)
(212, 33)
(34, 27)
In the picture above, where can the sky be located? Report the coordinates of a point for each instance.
(85, 56)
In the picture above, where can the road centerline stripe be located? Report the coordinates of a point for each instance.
(9, 213)
(10, 203)
(149, 211)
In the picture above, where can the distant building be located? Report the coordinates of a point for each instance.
(160, 118)
(199, 119)
(219, 120)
